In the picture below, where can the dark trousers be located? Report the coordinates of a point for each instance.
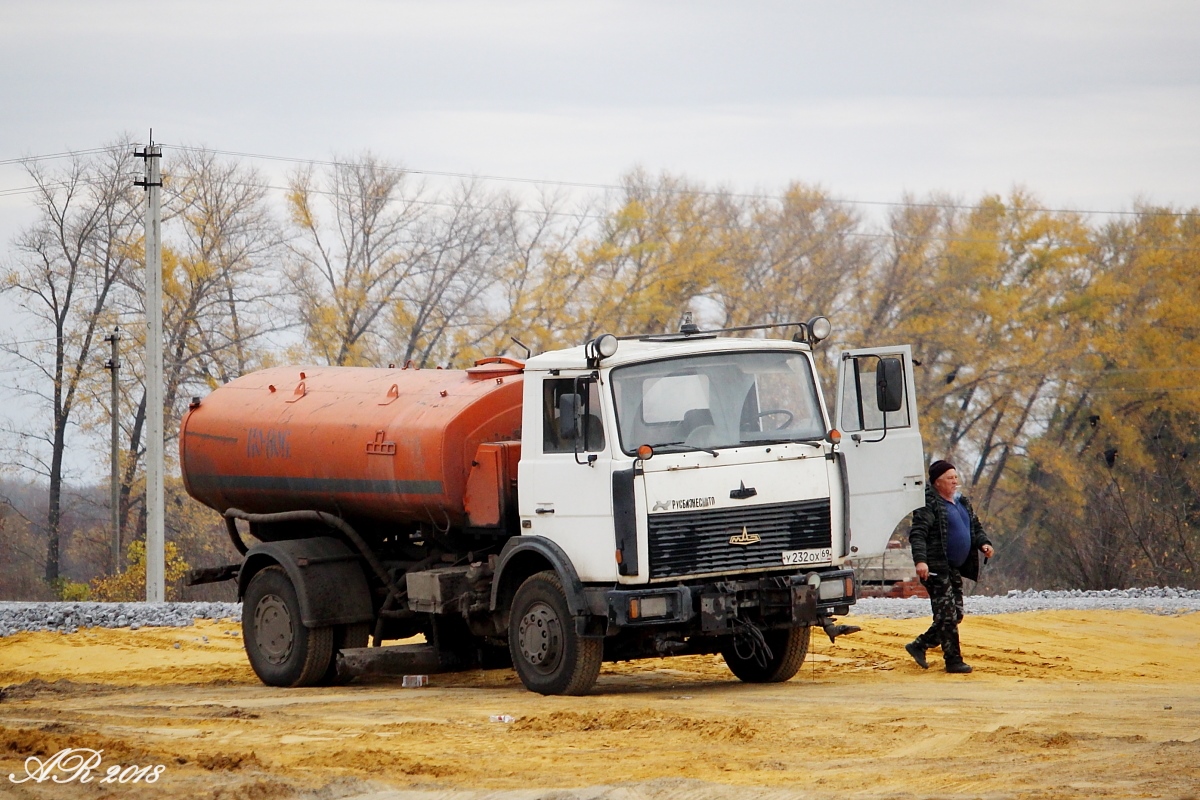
(946, 596)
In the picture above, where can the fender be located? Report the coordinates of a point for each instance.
(329, 582)
(524, 546)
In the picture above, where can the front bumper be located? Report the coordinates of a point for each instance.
(714, 608)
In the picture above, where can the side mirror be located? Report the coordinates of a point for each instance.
(889, 384)
(568, 416)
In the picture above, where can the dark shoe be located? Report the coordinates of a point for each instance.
(918, 653)
(959, 668)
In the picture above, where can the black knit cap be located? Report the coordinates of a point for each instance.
(939, 468)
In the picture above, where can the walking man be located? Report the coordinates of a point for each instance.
(946, 539)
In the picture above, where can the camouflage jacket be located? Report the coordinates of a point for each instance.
(930, 530)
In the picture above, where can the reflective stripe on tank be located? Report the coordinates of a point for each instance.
(273, 483)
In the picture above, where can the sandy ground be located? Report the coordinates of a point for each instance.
(1062, 705)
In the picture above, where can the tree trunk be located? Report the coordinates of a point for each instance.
(54, 510)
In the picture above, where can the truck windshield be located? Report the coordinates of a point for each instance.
(713, 401)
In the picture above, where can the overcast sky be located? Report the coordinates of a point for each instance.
(1086, 104)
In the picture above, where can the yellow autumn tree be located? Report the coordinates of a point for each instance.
(352, 251)
(983, 295)
(792, 258)
(653, 256)
(1113, 484)
(130, 586)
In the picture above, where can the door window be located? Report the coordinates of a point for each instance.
(559, 397)
(860, 404)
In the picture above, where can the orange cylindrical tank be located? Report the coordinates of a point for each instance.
(385, 444)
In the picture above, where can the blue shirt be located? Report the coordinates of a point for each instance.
(958, 540)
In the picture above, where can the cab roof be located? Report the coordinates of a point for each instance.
(634, 351)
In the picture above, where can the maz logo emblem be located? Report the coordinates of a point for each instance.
(745, 537)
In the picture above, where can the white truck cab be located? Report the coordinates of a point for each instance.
(739, 438)
(698, 487)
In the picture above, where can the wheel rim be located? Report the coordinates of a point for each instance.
(274, 634)
(540, 635)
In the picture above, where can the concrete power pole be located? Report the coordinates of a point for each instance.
(113, 365)
(155, 497)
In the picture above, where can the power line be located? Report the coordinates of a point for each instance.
(697, 192)
(30, 341)
(82, 180)
(50, 156)
(887, 235)
(580, 184)
(22, 190)
(879, 235)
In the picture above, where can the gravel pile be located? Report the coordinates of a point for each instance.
(70, 617)
(1152, 600)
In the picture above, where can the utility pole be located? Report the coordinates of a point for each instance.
(113, 365)
(155, 498)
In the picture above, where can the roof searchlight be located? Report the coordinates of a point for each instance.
(603, 346)
(819, 328)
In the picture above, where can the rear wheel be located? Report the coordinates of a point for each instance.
(282, 650)
(547, 653)
(750, 664)
(345, 637)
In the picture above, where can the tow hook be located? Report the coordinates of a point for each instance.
(833, 631)
(667, 646)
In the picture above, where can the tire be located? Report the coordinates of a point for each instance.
(282, 651)
(549, 657)
(788, 649)
(345, 637)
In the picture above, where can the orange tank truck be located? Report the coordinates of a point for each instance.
(385, 445)
(656, 495)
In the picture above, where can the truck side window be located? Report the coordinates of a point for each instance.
(552, 390)
(860, 407)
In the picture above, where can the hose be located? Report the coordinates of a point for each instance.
(234, 535)
(748, 634)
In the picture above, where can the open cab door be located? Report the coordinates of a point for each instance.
(881, 443)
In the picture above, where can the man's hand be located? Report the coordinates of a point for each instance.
(988, 551)
(922, 570)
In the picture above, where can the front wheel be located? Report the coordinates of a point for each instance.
(749, 663)
(547, 653)
(282, 650)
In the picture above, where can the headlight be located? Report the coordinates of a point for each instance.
(836, 589)
(649, 607)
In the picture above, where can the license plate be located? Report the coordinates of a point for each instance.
(815, 555)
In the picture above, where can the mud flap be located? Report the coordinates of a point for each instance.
(330, 584)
